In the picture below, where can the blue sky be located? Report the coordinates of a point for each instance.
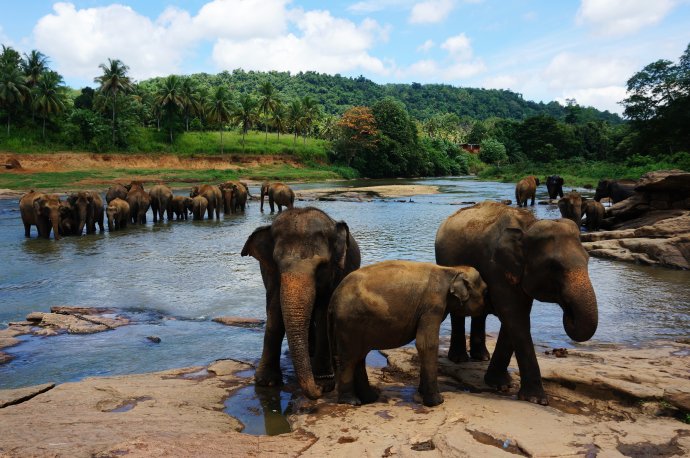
(545, 50)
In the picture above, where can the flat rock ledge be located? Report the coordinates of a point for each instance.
(365, 193)
(239, 322)
(609, 402)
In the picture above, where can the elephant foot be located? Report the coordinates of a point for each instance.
(533, 396)
(267, 377)
(327, 384)
(458, 356)
(480, 354)
(500, 382)
(349, 398)
(368, 395)
(432, 399)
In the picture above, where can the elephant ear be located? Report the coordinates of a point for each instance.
(509, 255)
(38, 204)
(342, 243)
(459, 287)
(260, 246)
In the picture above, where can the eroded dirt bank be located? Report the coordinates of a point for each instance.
(605, 402)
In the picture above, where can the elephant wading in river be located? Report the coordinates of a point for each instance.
(617, 190)
(234, 196)
(571, 207)
(116, 191)
(303, 256)
(594, 213)
(526, 189)
(181, 206)
(88, 210)
(40, 210)
(554, 185)
(139, 202)
(118, 214)
(161, 202)
(198, 208)
(411, 307)
(278, 193)
(213, 196)
(521, 259)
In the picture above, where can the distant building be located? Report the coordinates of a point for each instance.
(470, 147)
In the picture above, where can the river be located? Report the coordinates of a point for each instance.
(172, 278)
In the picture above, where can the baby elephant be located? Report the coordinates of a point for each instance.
(389, 304)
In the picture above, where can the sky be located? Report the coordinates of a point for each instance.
(543, 49)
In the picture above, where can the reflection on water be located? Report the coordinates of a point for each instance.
(261, 409)
(193, 270)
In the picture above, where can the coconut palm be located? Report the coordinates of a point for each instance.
(13, 88)
(310, 113)
(245, 113)
(191, 101)
(33, 65)
(295, 117)
(49, 96)
(219, 110)
(279, 118)
(113, 81)
(268, 98)
(170, 100)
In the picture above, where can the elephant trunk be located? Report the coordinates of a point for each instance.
(82, 219)
(297, 294)
(580, 314)
(55, 221)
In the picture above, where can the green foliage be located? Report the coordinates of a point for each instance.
(493, 152)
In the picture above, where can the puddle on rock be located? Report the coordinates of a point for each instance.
(129, 405)
(261, 409)
(245, 373)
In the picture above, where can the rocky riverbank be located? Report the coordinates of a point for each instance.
(604, 401)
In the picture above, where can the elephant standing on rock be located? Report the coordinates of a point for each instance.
(570, 207)
(521, 259)
(40, 210)
(554, 185)
(161, 202)
(278, 193)
(213, 196)
(617, 190)
(303, 256)
(199, 206)
(526, 188)
(181, 206)
(118, 214)
(408, 308)
(594, 213)
(88, 210)
(139, 202)
(116, 191)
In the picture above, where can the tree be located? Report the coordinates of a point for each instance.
(49, 96)
(492, 152)
(34, 65)
(170, 100)
(245, 113)
(13, 88)
(279, 118)
(219, 110)
(295, 116)
(191, 102)
(358, 134)
(113, 81)
(268, 99)
(310, 113)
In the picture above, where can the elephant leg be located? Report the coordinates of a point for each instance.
(321, 364)
(268, 371)
(271, 203)
(478, 350)
(497, 373)
(27, 230)
(346, 389)
(209, 211)
(427, 346)
(365, 392)
(458, 349)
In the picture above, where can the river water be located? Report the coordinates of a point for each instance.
(172, 278)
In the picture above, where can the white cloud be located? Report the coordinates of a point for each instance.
(500, 82)
(603, 98)
(458, 47)
(235, 19)
(373, 6)
(567, 70)
(622, 17)
(426, 46)
(431, 11)
(458, 63)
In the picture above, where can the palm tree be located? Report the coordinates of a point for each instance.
(219, 110)
(267, 102)
(295, 116)
(33, 65)
(13, 88)
(49, 96)
(169, 98)
(191, 103)
(245, 113)
(279, 118)
(310, 113)
(113, 81)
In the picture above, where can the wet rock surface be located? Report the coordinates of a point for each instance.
(365, 193)
(605, 402)
(240, 322)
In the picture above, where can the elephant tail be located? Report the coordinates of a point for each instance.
(330, 323)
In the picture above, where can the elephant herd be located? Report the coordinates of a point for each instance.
(128, 204)
(490, 258)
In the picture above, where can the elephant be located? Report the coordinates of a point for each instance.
(41, 210)
(88, 210)
(521, 259)
(68, 223)
(234, 196)
(213, 197)
(278, 193)
(199, 206)
(571, 207)
(161, 202)
(594, 214)
(410, 308)
(118, 214)
(181, 206)
(526, 188)
(554, 185)
(116, 191)
(139, 202)
(617, 190)
(304, 254)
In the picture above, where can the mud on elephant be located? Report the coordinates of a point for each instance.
(40, 210)
(368, 311)
(278, 194)
(526, 189)
(303, 256)
(521, 259)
